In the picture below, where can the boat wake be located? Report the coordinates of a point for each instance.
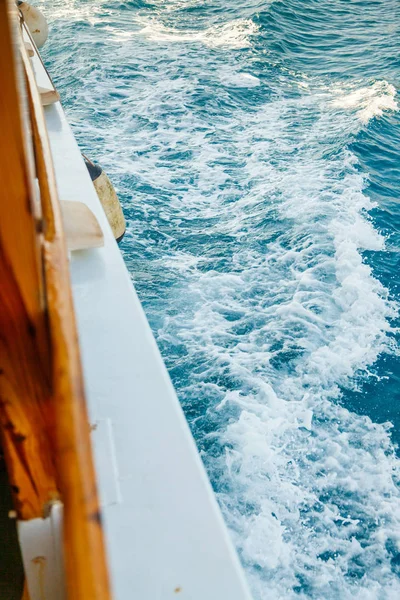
(236, 34)
(369, 101)
(273, 329)
(249, 232)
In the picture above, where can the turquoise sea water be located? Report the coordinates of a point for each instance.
(255, 148)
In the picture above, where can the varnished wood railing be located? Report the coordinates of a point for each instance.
(44, 424)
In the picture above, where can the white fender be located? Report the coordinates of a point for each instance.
(36, 23)
(111, 205)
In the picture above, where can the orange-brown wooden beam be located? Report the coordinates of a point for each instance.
(84, 550)
(25, 377)
(43, 417)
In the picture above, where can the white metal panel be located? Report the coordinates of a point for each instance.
(41, 546)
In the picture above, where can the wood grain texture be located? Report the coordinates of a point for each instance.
(25, 378)
(43, 417)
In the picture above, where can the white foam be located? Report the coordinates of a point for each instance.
(235, 34)
(74, 11)
(292, 444)
(233, 78)
(369, 101)
(259, 238)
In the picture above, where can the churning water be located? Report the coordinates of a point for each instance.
(254, 145)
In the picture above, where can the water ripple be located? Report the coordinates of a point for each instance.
(255, 149)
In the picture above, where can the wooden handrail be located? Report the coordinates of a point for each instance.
(25, 365)
(42, 401)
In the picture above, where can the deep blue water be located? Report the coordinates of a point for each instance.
(255, 148)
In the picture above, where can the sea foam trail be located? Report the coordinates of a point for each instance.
(369, 101)
(247, 224)
(235, 34)
(308, 487)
